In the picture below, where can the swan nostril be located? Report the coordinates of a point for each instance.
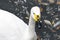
(38, 19)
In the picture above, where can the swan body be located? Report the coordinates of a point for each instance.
(13, 28)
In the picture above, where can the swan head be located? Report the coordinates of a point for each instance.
(35, 13)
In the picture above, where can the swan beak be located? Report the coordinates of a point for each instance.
(36, 17)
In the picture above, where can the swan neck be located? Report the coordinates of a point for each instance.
(31, 24)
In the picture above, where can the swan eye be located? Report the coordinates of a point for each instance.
(38, 16)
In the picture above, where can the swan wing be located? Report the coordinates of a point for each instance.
(11, 27)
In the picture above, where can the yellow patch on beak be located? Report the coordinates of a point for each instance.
(36, 17)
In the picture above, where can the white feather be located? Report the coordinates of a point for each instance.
(13, 28)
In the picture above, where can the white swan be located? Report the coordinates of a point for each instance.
(13, 28)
